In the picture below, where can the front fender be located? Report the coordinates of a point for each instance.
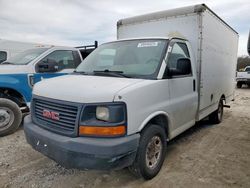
(153, 115)
(17, 82)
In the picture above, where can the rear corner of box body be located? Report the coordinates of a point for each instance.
(219, 44)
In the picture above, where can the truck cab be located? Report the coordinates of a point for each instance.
(19, 74)
(117, 96)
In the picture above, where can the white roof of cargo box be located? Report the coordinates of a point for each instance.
(169, 13)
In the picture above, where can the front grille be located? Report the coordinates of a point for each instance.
(67, 115)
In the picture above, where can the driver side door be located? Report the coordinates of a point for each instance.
(182, 89)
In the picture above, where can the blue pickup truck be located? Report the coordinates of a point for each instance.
(19, 73)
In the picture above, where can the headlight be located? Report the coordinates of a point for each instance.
(102, 113)
(107, 119)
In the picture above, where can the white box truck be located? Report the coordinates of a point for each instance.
(9, 48)
(129, 97)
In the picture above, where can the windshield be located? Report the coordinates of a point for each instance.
(247, 69)
(133, 58)
(25, 57)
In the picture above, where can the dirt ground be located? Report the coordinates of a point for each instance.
(204, 156)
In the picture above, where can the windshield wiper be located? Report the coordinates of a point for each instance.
(111, 73)
(80, 72)
(6, 63)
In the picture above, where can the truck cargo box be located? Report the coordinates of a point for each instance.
(213, 41)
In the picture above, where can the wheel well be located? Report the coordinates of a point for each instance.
(13, 95)
(161, 120)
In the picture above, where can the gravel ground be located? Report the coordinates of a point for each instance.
(204, 156)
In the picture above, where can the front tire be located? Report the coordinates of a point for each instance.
(239, 85)
(151, 152)
(10, 116)
(217, 116)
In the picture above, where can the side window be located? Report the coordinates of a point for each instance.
(77, 58)
(247, 69)
(3, 56)
(63, 58)
(179, 51)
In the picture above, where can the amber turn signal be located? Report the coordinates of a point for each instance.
(102, 131)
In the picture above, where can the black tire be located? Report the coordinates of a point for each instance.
(10, 116)
(217, 116)
(150, 135)
(239, 84)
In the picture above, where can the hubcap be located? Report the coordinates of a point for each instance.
(153, 152)
(6, 117)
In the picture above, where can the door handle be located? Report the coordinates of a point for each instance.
(194, 85)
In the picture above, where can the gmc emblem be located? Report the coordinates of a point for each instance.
(51, 115)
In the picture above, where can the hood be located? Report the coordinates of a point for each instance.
(83, 88)
(14, 69)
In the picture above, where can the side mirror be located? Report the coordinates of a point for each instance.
(183, 67)
(2, 60)
(3, 56)
(47, 66)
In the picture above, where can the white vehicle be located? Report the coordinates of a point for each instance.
(248, 44)
(129, 97)
(9, 48)
(243, 77)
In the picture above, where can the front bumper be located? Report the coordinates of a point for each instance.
(82, 152)
(247, 80)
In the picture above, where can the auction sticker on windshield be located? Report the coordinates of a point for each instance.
(147, 44)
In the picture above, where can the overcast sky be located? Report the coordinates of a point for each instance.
(79, 22)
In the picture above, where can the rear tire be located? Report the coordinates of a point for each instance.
(10, 116)
(239, 84)
(217, 116)
(151, 152)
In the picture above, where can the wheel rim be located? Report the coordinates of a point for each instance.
(153, 152)
(220, 111)
(6, 117)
